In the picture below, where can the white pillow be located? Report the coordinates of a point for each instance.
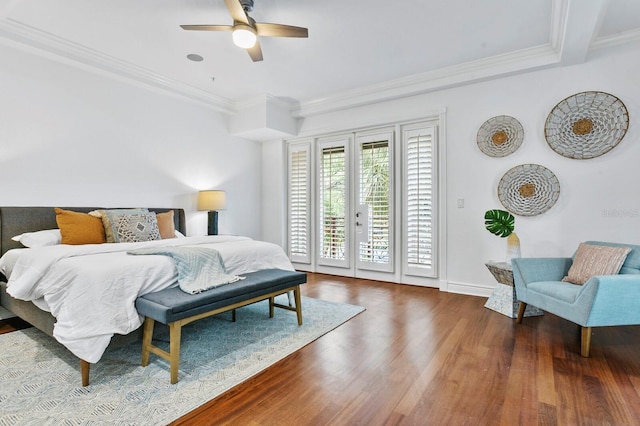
(48, 237)
(179, 234)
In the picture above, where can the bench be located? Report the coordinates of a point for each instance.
(176, 308)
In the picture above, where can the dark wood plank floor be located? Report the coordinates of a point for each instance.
(419, 356)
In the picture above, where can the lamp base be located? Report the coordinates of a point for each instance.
(212, 227)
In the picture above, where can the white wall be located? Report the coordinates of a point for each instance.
(598, 199)
(70, 137)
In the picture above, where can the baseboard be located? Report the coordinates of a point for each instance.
(470, 289)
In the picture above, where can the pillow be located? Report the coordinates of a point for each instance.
(79, 228)
(110, 217)
(166, 225)
(591, 261)
(179, 234)
(48, 237)
(135, 227)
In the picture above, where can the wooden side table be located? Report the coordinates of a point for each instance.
(504, 299)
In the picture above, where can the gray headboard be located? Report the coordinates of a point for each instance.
(17, 220)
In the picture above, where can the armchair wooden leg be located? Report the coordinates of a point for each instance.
(585, 342)
(85, 367)
(521, 310)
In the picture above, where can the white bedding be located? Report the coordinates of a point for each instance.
(91, 289)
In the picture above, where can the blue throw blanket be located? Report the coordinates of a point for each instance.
(199, 268)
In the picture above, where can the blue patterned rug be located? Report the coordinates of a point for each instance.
(40, 379)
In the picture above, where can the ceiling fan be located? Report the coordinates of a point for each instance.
(246, 29)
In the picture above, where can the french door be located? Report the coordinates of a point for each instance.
(354, 202)
(363, 203)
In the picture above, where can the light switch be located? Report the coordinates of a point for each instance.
(460, 203)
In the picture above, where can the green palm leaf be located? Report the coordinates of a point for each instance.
(499, 222)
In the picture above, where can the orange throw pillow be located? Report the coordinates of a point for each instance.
(79, 228)
(166, 225)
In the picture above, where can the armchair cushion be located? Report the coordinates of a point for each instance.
(555, 290)
(594, 260)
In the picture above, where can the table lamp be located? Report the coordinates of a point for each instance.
(212, 201)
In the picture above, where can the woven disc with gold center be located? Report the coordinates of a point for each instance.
(586, 125)
(528, 190)
(500, 136)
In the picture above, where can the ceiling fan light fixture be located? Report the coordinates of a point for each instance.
(244, 36)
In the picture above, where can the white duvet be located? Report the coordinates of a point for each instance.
(91, 289)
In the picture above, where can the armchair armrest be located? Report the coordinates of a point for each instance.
(534, 269)
(616, 299)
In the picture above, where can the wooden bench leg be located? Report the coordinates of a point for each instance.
(585, 345)
(85, 368)
(174, 350)
(272, 302)
(147, 337)
(296, 294)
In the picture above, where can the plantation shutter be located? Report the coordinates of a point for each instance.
(299, 203)
(419, 195)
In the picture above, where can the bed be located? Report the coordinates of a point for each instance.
(50, 287)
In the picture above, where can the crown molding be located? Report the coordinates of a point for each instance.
(617, 39)
(48, 45)
(471, 72)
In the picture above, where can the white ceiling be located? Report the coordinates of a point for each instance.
(358, 51)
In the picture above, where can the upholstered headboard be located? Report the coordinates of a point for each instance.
(17, 220)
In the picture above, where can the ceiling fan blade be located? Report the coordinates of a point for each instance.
(207, 27)
(255, 52)
(279, 30)
(236, 11)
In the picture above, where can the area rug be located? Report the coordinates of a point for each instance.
(40, 379)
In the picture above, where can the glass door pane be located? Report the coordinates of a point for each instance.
(374, 208)
(333, 206)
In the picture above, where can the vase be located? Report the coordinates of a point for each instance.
(513, 247)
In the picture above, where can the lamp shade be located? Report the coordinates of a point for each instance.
(212, 200)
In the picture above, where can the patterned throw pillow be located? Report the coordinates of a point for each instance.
(109, 219)
(591, 261)
(136, 227)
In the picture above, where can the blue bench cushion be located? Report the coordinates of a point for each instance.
(173, 304)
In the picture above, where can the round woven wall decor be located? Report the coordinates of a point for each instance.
(528, 190)
(586, 125)
(500, 136)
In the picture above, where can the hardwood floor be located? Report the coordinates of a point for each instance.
(418, 356)
(12, 324)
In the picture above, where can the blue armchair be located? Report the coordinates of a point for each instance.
(606, 300)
